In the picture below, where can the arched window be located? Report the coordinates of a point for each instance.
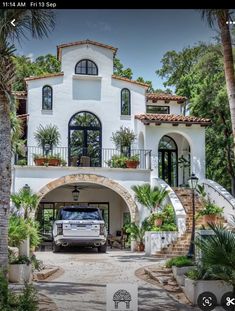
(47, 97)
(86, 67)
(125, 102)
(85, 140)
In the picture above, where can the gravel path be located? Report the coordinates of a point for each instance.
(82, 286)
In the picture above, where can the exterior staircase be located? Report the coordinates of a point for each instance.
(180, 247)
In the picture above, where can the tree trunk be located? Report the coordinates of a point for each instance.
(233, 186)
(5, 178)
(228, 66)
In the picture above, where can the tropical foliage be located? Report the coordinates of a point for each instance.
(124, 137)
(218, 254)
(35, 23)
(26, 67)
(27, 300)
(47, 135)
(150, 197)
(26, 200)
(198, 73)
(137, 232)
(19, 229)
(180, 261)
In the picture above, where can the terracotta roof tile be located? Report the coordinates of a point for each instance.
(20, 94)
(49, 75)
(23, 116)
(65, 45)
(171, 118)
(129, 80)
(163, 96)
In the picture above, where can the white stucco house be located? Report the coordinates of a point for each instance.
(88, 102)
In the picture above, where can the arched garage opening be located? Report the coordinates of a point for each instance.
(114, 200)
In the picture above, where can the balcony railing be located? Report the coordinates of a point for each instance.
(78, 157)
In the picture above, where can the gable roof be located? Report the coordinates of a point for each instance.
(148, 118)
(66, 45)
(129, 80)
(168, 97)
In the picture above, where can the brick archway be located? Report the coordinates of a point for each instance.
(95, 179)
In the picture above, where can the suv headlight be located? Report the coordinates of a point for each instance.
(59, 229)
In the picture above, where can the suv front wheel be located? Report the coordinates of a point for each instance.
(102, 248)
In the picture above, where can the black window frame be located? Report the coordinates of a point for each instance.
(43, 98)
(86, 68)
(129, 102)
(157, 106)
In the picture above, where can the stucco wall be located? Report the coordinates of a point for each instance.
(175, 108)
(71, 94)
(195, 135)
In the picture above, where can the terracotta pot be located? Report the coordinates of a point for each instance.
(132, 164)
(40, 161)
(54, 162)
(158, 222)
(140, 247)
(210, 219)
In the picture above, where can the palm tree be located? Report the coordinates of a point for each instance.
(221, 17)
(38, 23)
(218, 254)
(149, 197)
(27, 200)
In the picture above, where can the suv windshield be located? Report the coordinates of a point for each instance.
(80, 214)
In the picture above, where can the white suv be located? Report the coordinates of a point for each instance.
(80, 226)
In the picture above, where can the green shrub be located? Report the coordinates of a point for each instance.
(200, 273)
(180, 261)
(22, 162)
(20, 260)
(10, 301)
(19, 229)
(28, 300)
(117, 161)
(210, 209)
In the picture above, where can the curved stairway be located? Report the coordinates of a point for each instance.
(180, 247)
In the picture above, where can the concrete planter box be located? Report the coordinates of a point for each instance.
(179, 273)
(193, 289)
(20, 273)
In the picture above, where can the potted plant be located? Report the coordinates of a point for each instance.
(158, 219)
(137, 233)
(47, 137)
(123, 139)
(215, 270)
(210, 212)
(151, 197)
(20, 270)
(117, 161)
(133, 161)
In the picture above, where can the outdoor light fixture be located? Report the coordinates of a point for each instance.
(75, 193)
(26, 187)
(192, 181)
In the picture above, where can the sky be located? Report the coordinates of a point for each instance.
(141, 36)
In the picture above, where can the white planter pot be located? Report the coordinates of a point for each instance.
(179, 273)
(193, 289)
(20, 273)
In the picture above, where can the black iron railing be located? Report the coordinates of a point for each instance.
(88, 157)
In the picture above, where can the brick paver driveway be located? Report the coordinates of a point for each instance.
(82, 286)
